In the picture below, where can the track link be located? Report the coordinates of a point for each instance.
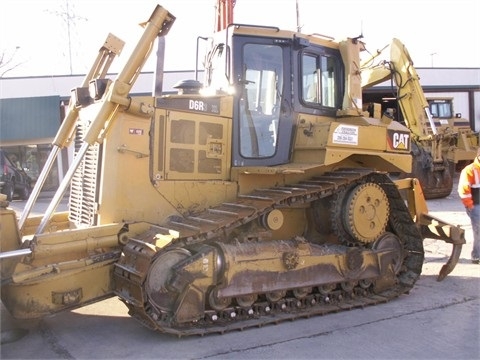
(214, 224)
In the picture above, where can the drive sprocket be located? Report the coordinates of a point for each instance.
(360, 213)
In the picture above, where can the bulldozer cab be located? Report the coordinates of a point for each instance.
(259, 70)
(442, 112)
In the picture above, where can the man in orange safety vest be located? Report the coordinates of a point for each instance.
(469, 192)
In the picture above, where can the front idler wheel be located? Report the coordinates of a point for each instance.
(159, 275)
(391, 242)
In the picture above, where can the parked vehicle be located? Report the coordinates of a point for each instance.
(13, 179)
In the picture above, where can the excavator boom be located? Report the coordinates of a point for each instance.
(435, 150)
(410, 95)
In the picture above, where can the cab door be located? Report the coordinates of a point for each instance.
(262, 117)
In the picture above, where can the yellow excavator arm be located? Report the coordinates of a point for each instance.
(411, 97)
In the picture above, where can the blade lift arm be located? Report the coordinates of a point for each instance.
(111, 48)
(115, 96)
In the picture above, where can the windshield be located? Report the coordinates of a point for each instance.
(259, 102)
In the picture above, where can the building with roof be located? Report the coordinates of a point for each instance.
(32, 108)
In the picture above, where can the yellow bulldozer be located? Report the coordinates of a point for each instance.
(257, 196)
(447, 119)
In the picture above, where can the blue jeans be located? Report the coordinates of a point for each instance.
(474, 215)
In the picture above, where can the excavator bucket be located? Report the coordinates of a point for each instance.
(430, 226)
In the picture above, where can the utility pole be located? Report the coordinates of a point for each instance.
(432, 55)
(68, 15)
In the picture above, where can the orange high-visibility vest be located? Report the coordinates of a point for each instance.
(469, 184)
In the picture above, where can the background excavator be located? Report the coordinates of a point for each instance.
(445, 118)
(439, 144)
(259, 196)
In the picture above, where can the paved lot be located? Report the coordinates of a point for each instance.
(437, 320)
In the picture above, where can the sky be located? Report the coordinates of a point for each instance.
(35, 36)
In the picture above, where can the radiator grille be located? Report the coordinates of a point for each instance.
(83, 188)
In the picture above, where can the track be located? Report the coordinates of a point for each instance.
(158, 309)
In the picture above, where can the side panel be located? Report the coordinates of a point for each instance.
(125, 192)
(196, 147)
(366, 141)
(151, 171)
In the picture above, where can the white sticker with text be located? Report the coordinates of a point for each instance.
(346, 134)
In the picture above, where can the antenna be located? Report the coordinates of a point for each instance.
(355, 39)
(299, 28)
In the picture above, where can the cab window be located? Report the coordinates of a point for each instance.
(318, 80)
(441, 110)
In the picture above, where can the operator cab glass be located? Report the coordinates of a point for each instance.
(272, 81)
(321, 85)
(441, 109)
(256, 71)
(318, 80)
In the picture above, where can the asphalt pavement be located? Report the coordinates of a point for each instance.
(436, 320)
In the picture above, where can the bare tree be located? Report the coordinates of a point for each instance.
(7, 61)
